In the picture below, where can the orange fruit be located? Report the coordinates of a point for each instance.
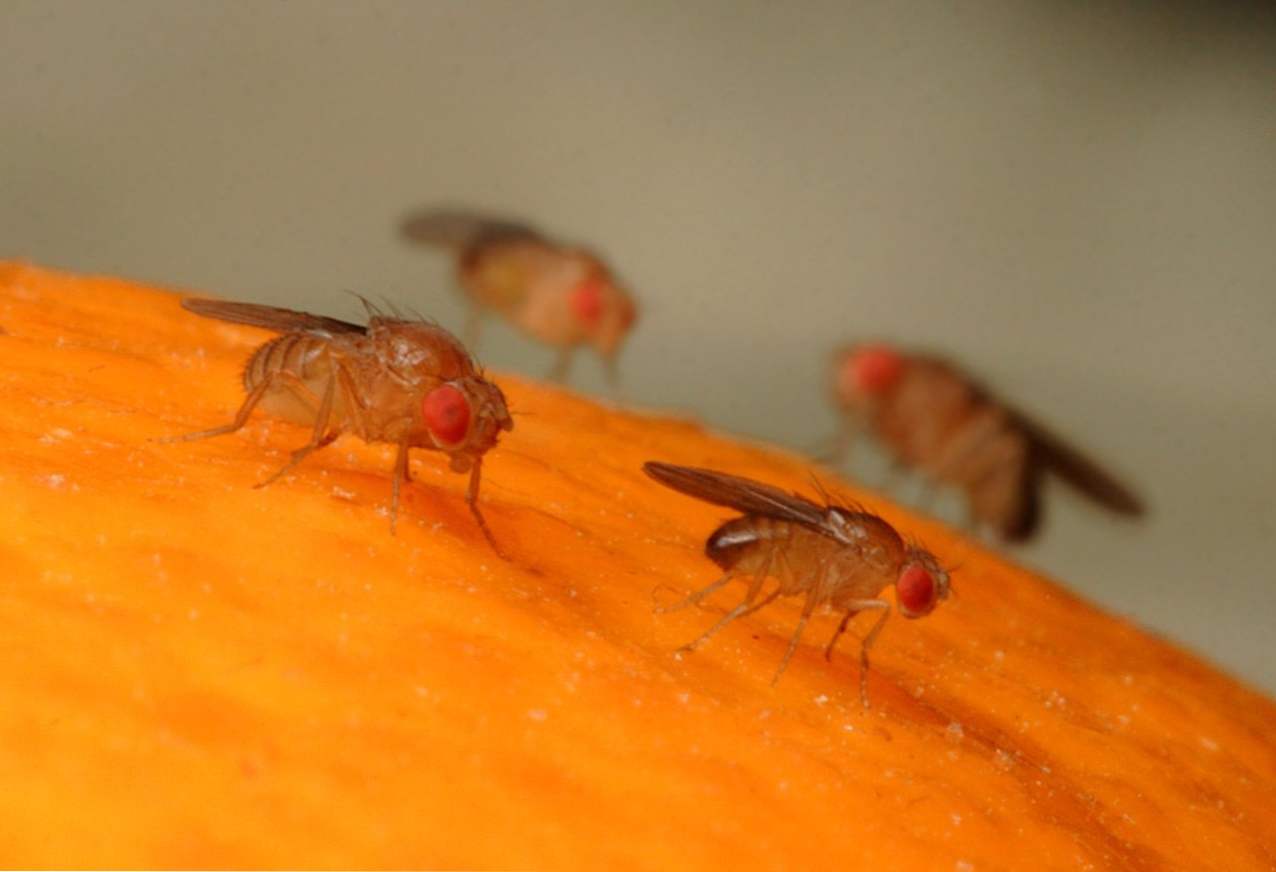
(198, 673)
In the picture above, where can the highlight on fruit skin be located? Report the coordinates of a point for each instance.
(562, 295)
(200, 674)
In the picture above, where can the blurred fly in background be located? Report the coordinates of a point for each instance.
(932, 417)
(560, 294)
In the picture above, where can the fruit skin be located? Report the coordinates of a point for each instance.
(195, 672)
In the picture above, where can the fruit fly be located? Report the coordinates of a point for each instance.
(836, 555)
(406, 382)
(932, 417)
(559, 294)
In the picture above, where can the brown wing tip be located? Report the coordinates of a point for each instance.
(201, 305)
(663, 472)
(1102, 488)
(1126, 503)
(684, 479)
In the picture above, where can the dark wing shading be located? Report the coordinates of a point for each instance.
(1023, 525)
(1078, 470)
(461, 229)
(742, 494)
(270, 317)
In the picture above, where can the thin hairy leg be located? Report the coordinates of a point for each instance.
(739, 611)
(319, 436)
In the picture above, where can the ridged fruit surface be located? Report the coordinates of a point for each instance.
(195, 672)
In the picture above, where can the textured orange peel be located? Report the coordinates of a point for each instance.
(196, 672)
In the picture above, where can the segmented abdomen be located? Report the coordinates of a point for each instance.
(990, 458)
(295, 353)
(742, 538)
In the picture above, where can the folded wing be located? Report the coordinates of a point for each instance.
(270, 317)
(1078, 470)
(742, 494)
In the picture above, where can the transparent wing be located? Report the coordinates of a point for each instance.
(270, 317)
(742, 494)
(460, 228)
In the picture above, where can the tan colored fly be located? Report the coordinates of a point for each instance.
(932, 417)
(835, 556)
(406, 382)
(559, 294)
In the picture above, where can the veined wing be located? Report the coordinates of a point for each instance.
(742, 494)
(270, 317)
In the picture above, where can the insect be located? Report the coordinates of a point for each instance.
(406, 382)
(932, 417)
(836, 555)
(560, 294)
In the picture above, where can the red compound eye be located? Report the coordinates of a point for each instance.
(447, 414)
(915, 591)
(587, 301)
(874, 368)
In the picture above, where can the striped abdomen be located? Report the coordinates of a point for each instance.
(302, 359)
(744, 541)
(987, 455)
(802, 560)
(936, 420)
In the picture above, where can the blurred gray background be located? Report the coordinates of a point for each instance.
(1078, 200)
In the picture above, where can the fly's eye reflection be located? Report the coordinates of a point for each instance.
(915, 591)
(447, 413)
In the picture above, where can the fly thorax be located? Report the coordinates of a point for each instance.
(406, 354)
(846, 527)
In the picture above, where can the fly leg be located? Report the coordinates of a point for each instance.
(612, 372)
(844, 440)
(859, 606)
(241, 417)
(561, 366)
(738, 612)
(837, 634)
(695, 597)
(319, 437)
(471, 499)
(755, 587)
(797, 634)
(400, 475)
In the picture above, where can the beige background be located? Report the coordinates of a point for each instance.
(1078, 200)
